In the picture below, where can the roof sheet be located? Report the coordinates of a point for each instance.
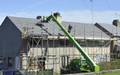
(114, 30)
(36, 27)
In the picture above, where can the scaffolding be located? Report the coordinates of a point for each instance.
(45, 52)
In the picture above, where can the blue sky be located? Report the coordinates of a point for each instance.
(104, 11)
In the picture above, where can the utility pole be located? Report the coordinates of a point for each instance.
(119, 17)
(92, 9)
(92, 24)
(116, 15)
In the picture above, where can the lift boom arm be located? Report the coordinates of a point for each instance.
(94, 67)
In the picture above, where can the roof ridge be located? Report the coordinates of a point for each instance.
(76, 22)
(20, 17)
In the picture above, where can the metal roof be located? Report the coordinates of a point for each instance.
(36, 27)
(112, 29)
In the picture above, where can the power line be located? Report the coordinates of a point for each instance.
(84, 2)
(109, 5)
(111, 8)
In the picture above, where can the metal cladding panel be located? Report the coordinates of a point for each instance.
(10, 41)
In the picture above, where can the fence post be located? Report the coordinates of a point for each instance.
(52, 71)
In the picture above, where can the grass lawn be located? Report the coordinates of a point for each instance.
(110, 65)
(116, 73)
(0, 73)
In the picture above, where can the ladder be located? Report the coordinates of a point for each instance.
(19, 64)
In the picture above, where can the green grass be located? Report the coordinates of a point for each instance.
(114, 64)
(116, 73)
(110, 65)
(57, 74)
(44, 72)
(0, 73)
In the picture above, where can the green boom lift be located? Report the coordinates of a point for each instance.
(92, 66)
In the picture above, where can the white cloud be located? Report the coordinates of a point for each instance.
(86, 16)
(73, 16)
(37, 3)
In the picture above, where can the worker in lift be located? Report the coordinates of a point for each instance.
(70, 28)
